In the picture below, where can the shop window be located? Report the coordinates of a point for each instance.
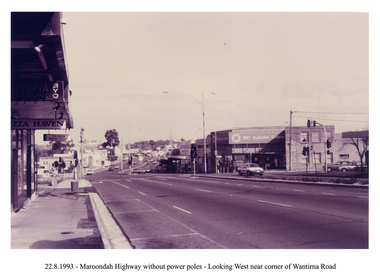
(315, 137)
(304, 137)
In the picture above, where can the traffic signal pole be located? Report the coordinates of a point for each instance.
(315, 123)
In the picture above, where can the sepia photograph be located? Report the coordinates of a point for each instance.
(190, 141)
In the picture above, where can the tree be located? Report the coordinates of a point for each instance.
(360, 140)
(112, 137)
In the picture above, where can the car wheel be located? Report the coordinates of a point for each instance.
(240, 173)
(344, 169)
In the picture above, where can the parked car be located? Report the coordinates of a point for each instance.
(110, 168)
(342, 166)
(90, 171)
(250, 169)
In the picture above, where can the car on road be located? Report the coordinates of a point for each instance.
(342, 166)
(90, 171)
(111, 168)
(250, 169)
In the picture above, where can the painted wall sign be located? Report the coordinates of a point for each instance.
(256, 136)
(38, 124)
(37, 91)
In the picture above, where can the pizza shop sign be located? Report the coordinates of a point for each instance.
(38, 123)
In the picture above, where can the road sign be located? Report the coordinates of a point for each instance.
(55, 137)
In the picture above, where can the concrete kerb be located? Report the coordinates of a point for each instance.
(283, 181)
(112, 236)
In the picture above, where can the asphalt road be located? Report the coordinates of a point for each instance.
(163, 211)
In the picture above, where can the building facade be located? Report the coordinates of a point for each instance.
(314, 139)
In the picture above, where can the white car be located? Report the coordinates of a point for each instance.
(250, 169)
(90, 171)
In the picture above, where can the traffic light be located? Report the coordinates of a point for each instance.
(130, 160)
(314, 123)
(328, 143)
(305, 151)
(308, 123)
(76, 157)
(193, 151)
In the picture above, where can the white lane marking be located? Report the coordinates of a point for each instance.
(141, 193)
(156, 182)
(203, 190)
(128, 180)
(273, 203)
(182, 210)
(255, 186)
(328, 193)
(366, 197)
(119, 184)
(188, 227)
(298, 190)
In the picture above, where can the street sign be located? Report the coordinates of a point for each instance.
(55, 137)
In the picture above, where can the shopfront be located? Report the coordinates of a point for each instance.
(262, 145)
(39, 93)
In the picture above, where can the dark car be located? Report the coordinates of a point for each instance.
(110, 168)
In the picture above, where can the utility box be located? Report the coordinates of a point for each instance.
(74, 186)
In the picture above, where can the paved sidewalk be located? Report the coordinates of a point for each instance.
(60, 219)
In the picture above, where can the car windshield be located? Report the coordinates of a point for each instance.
(252, 165)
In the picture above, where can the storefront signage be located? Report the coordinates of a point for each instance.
(38, 124)
(55, 137)
(37, 91)
(255, 136)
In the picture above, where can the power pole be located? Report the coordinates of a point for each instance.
(81, 151)
(290, 141)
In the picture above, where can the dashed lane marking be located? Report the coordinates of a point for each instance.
(203, 190)
(182, 209)
(327, 193)
(273, 203)
(120, 184)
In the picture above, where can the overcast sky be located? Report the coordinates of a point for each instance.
(260, 65)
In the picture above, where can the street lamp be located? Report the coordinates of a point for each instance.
(203, 115)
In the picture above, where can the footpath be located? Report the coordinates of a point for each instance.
(61, 217)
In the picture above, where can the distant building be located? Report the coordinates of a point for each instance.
(273, 147)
